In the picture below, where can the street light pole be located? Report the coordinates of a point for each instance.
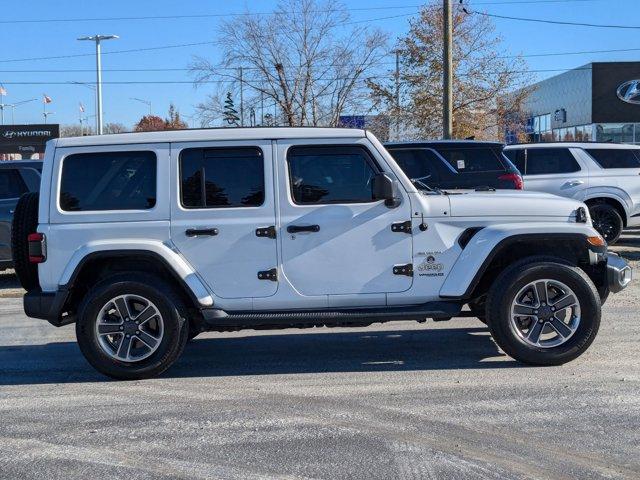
(97, 39)
(447, 70)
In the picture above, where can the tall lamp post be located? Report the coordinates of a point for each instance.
(97, 39)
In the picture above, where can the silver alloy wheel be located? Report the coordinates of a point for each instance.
(545, 313)
(129, 328)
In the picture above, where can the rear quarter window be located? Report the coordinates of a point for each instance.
(615, 157)
(108, 181)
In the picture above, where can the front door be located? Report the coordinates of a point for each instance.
(336, 239)
(224, 217)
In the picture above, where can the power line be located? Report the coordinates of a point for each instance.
(241, 14)
(204, 15)
(144, 70)
(250, 81)
(553, 22)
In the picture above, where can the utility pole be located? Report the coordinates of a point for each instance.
(241, 99)
(447, 70)
(397, 75)
(261, 108)
(97, 39)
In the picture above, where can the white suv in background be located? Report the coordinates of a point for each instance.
(603, 175)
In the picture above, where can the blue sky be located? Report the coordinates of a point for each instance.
(29, 40)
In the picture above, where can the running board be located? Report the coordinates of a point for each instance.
(216, 318)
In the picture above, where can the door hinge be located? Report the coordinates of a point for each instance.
(402, 227)
(403, 269)
(268, 275)
(269, 232)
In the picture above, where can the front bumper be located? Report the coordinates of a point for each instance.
(619, 273)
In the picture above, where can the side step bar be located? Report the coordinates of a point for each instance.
(216, 318)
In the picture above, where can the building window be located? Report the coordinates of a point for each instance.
(539, 128)
(615, 132)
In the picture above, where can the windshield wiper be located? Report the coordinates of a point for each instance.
(418, 182)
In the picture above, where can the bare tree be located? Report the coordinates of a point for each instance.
(115, 127)
(75, 130)
(488, 85)
(304, 59)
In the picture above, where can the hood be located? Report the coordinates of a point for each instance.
(514, 203)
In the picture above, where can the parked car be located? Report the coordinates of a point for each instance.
(456, 164)
(603, 175)
(146, 239)
(16, 177)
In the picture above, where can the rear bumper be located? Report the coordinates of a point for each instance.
(47, 306)
(619, 273)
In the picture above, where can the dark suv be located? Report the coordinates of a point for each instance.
(456, 164)
(16, 177)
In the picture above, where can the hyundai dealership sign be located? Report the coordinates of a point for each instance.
(26, 138)
(630, 92)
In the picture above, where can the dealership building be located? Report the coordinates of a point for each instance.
(596, 102)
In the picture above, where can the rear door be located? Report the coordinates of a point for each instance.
(617, 167)
(12, 186)
(223, 220)
(555, 170)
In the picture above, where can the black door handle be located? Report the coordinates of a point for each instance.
(303, 228)
(195, 232)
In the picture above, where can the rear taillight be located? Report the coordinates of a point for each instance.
(37, 247)
(518, 183)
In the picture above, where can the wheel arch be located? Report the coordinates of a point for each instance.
(95, 265)
(614, 201)
(480, 264)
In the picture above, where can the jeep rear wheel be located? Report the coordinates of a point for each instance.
(543, 313)
(607, 221)
(131, 326)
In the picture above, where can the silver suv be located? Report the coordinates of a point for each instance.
(605, 176)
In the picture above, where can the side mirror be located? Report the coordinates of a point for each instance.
(385, 188)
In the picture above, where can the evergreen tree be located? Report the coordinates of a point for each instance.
(230, 113)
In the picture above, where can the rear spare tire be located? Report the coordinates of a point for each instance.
(25, 221)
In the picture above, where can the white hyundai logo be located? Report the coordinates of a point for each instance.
(9, 134)
(630, 92)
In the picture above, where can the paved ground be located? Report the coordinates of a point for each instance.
(390, 401)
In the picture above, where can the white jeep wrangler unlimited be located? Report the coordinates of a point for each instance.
(144, 240)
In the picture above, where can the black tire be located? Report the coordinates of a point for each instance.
(25, 221)
(479, 309)
(516, 277)
(607, 221)
(176, 326)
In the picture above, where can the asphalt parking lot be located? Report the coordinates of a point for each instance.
(401, 400)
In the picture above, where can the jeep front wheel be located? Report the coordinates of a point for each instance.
(543, 313)
(131, 327)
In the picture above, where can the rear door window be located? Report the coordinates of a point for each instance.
(544, 161)
(222, 177)
(108, 181)
(615, 157)
(11, 184)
